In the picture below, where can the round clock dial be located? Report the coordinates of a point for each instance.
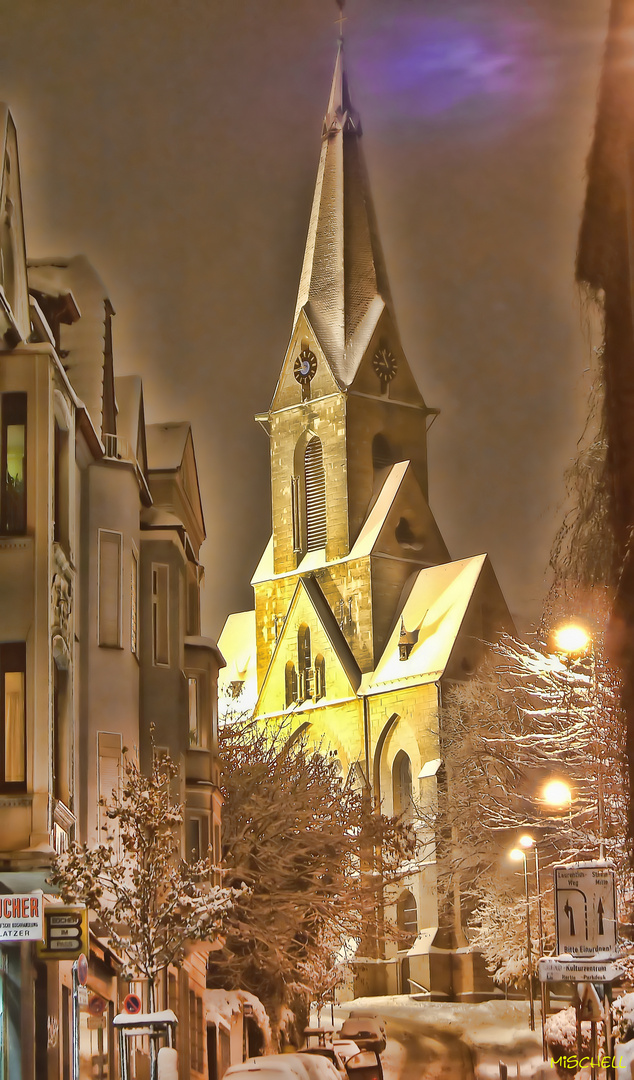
(384, 363)
(305, 366)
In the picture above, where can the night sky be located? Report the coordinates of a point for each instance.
(175, 143)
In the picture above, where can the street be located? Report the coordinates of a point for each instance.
(438, 1041)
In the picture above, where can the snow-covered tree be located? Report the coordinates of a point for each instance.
(304, 840)
(150, 902)
(528, 716)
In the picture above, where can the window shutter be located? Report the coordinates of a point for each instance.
(315, 496)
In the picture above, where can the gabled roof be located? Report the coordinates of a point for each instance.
(343, 286)
(308, 587)
(87, 359)
(166, 445)
(434, 609)
(173, 474)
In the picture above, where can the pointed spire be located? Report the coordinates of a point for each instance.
(343, 287)
(340, 113)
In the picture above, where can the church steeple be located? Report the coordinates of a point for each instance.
(343, 287)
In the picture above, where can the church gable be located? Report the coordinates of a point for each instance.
(383, 370)
(306, 374)
(312, 663)
(408, 529)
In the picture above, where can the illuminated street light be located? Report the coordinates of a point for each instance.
(556, 793)
(518, 855)
(572, 640)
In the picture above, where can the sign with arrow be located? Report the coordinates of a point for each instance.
(553, 969)
(585, 909)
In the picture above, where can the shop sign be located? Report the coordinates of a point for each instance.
(21, 917)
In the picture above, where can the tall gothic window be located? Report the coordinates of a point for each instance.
(315, 482)
(402, 785)
(406, 919)
(290, 676)
(320, 677)
(304, 662)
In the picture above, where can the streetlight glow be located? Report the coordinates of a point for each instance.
(571, 639)
(557, 794)
(526, 841)
(516, 855)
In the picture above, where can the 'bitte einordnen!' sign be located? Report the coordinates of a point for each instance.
(21, 917)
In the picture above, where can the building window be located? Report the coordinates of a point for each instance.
(13, 689)
(320, 677)
(61, 500)
(303, 663)
(194, 726)
(160, 613)
(13, 464)
(406, 919)
(290, 676)
(108, 781)
(109, 614)
(402, 792)
(315, 481)
(134, 602)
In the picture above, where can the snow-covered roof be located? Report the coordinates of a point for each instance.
(434, 611)
(237, 644)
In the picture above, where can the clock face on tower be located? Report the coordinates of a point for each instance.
(305, 367)
(384, 364)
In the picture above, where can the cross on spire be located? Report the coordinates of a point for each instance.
(342, 19)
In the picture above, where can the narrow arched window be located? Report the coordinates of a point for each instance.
(315, 488)
(320, 677)
(290, 676)
(402, 785)
(304, 662)
(406, 919)
(382, 453)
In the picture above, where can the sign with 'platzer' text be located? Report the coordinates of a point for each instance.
(21, 917)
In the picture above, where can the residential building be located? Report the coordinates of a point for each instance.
(101, 652)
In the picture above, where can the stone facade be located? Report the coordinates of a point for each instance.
(358, 630)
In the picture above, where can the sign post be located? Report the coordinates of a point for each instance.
(80, 975)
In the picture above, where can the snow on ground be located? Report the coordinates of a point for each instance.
(430, 1040)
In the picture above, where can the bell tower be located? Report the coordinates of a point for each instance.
(346, 409)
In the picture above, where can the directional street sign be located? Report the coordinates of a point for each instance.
(552, 969)
(65, 932)
(585, 908)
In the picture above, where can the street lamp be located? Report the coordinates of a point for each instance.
(527, 842)
(518, 855)
(572, 640)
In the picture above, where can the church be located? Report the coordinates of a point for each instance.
(361, 619)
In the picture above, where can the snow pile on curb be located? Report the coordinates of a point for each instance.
(224, 1004)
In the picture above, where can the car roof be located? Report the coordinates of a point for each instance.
(271, 1064)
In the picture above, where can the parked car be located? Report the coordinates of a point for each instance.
(367, 1030)
(366, 1065)
(321, 1041)
(297, 1066)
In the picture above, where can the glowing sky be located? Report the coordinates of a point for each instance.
(175, 142)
